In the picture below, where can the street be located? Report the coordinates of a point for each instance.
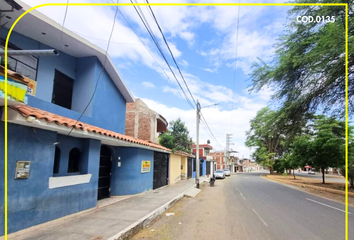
(247, 206)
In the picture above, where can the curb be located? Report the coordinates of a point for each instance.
(313, 187)
(144, 221)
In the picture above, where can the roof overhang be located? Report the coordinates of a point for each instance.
(15, 117)
(34, 23)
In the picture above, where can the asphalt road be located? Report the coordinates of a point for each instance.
(249, 207)
(318, 176)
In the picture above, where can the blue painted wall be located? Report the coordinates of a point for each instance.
(128, 179)
(2, 178)
(109, 104)
(107, 109)
(30, 200)
(46, 64)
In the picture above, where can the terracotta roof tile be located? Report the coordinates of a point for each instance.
(27, 111)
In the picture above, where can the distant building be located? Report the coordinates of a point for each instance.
(219, 158)
(144, 123)
(206, 161)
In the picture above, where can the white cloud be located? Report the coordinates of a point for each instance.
(210, 70)
(175, 51)
(220, 122)
(149, 84)
(184, 63)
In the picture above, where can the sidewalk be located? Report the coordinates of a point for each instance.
(116, 221)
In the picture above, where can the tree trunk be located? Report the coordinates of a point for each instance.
(270, 170)
(323, 176)
(294, 173)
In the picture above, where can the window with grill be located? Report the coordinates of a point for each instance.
(62, 90)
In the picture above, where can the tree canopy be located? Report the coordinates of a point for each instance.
(308, 68)
(177, 137)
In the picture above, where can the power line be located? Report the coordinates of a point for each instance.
(158, 25)
(148, 28)
(162, 69)
(62, 25)
(142, 41)
(162, 54)
(205, 122)
(236, 45)
(98, 79)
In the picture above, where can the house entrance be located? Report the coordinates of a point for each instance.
(104, 177)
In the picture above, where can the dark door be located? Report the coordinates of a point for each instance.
(201, 168)
(207, 168)
(104, 177)
(190, 168)
(160, 170)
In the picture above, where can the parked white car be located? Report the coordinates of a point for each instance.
(219, 174)
(227, 172)
(311, 172)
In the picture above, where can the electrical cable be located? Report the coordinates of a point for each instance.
(158, 25)
(162, 54)
(50, 144)
(205, 122)
(98, 79)
(62, 25)
(236, 45)
(142, 43)
(154, 39)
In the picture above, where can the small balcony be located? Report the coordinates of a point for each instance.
(18, 87)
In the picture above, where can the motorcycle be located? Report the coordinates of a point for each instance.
(212, 181)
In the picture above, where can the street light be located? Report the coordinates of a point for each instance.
(197, 142)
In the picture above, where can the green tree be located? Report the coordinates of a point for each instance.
(265, 135)
(308, 68)
(271, 133)
(177, 137)
(350, 158)
(324, 148)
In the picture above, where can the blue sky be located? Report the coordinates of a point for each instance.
(202, 40)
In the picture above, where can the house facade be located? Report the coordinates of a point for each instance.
(206, 162)
(144, 123)
(219, 158)
(66, 141)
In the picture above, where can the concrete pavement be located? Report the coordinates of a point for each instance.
(248, 207)
(113, 221)
(286, 213)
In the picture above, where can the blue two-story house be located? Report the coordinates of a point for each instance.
(57, 165)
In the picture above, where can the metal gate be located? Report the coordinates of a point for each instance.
(207, 168)
(104, 177)
(201, 167)
(160, 170)
(190, 168)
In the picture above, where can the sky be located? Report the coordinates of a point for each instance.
(203, 40)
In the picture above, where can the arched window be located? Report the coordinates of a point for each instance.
(74, 160)
(56, 160)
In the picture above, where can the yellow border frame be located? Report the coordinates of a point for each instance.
(197, 4)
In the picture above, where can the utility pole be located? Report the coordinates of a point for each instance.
(197, 143)
(227, 151)
(197, 149)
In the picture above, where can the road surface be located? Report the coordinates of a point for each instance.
(249, 207)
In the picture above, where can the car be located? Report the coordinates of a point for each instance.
(219, 174)
(311, 172)
(227, 172)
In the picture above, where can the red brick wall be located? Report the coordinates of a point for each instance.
(129, 124)
(144, 131)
